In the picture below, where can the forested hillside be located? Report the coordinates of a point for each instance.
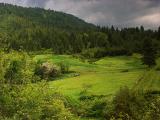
(35, 28)
(46, 18)
(55, 66)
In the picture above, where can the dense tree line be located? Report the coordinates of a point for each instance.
(33, 29)
(131, 38)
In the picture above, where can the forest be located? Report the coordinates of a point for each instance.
(55, 66)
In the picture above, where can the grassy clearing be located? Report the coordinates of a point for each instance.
(104, 77)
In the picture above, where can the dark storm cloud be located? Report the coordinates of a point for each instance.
(120, 13)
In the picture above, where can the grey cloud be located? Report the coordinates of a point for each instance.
(31, 3)
(121, 13)
(39, 3)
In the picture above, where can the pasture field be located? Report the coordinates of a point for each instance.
(103, 77)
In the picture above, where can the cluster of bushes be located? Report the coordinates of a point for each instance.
(157, 67)
(46, 70)
(16, 68)
(94, 53)
(49, 70)
(64, 67)
(102, 52)
(126, 105)
(131, 105)
(32, 102)
(117, 51)
(22, 100)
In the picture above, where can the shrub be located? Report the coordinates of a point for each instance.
(128, 105)
(55, 110)
(33, 102)
(64, 67)
(158, 65)
(12, 72)
(46, 70)
(21, 101)
(98, 108)
(92, 61)
(102, 52)
(91, 105)
(16, 68)
(135, 106)
(94, 53)
(116, 51)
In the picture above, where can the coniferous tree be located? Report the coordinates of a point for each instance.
(159, 33)
(149, 53)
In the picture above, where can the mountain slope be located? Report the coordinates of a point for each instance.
(43, 17)
(37, 28)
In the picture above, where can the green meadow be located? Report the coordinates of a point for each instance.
(103, 77)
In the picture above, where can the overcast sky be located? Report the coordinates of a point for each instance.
(121, 13)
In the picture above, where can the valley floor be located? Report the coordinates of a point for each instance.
(103, 77)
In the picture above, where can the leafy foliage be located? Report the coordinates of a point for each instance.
(46, 70)
(64, 68)
(20, 99)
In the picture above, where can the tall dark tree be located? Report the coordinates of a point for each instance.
(149, 53)
(142, 29)
(159, 33)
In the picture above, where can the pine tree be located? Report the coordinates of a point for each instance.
(149, 53)
(159, 33)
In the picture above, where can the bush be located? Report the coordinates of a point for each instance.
(115, 51)
(132, 105)
(22, 100)
(46, 70)
(128, 105)
(64, 68)
(158, 65)
(91, 105)
(94, 53)
(102, 52)
(16, 68)
(55, 110)
(33, 102)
